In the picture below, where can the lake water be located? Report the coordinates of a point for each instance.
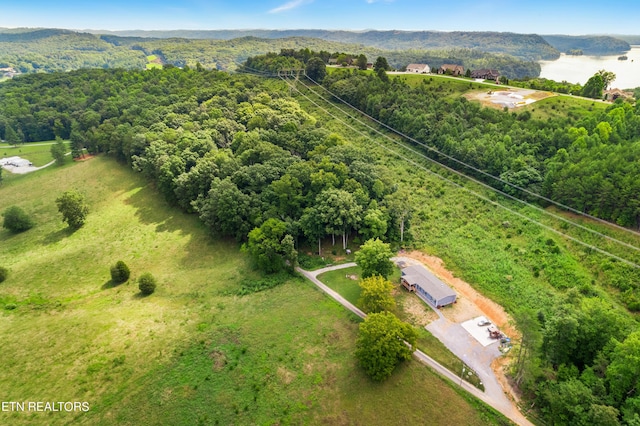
(578, 69)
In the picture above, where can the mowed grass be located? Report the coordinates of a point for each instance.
(38, 153)
(190, 353)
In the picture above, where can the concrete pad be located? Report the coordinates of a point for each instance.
(479, 333)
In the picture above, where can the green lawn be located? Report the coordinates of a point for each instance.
(37, 153)
(190, 353)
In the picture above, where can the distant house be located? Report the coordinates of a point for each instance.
(418, 68)
(485, 74)
(456, 70)
(427, 286)
(613, 94)
(333, 61)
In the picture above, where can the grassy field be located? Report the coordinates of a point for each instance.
(38, 153)
(191, 353)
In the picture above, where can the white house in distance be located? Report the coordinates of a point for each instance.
(427, 286)
(419, 68)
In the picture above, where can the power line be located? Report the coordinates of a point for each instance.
(458, 173)
(495, 203)
(469, 166)
(631, 246)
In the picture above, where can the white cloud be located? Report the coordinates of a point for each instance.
(289, 6)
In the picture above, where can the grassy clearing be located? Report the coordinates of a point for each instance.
(190, 353)
(38, 153)
(562, 106)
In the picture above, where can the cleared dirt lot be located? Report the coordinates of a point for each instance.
(509, 97)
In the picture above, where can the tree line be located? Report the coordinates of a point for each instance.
(233, 149)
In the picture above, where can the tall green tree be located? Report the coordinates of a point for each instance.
(339, 211)
(11, 136)
(271, 248)
(226, 210)
(73, 207)
(361, 62)
(593, 87)
(375, 294)
(313, 226)
(58, 151)
(316, 69)
(607, 78)
(381, 344)
(374, 258)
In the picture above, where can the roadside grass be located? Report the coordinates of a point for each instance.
(190, 353)
(562, 106)
(39, 155)
(445, 84)
(341, 282)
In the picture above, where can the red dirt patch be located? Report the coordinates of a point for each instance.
(84, 157)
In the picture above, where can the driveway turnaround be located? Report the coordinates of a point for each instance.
(457, 340)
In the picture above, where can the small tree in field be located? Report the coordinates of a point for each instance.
(73, 207)
(120, 272)
(380, 345)
(16, 220)
(147, 284)
(4, 273)
(376, 294)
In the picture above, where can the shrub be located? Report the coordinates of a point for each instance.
(147, 284)
(120, 272)
(16, 220)
(4, 273)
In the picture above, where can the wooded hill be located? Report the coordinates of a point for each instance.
(529, 47)
(61, 50)
(589, 45)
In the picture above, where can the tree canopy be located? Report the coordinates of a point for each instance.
(17, 220)
(73, 207)
(381, 344)
(374, 258)
(375, 294)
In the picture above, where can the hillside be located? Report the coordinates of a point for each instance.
(588, 45)
(524, 46)
(47, 50)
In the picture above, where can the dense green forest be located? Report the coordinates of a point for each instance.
(62, 50)
(242, 154)
(588, 45)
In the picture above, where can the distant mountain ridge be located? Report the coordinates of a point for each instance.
(589, 45)
(530, 47)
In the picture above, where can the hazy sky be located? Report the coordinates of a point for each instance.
(522, 16)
